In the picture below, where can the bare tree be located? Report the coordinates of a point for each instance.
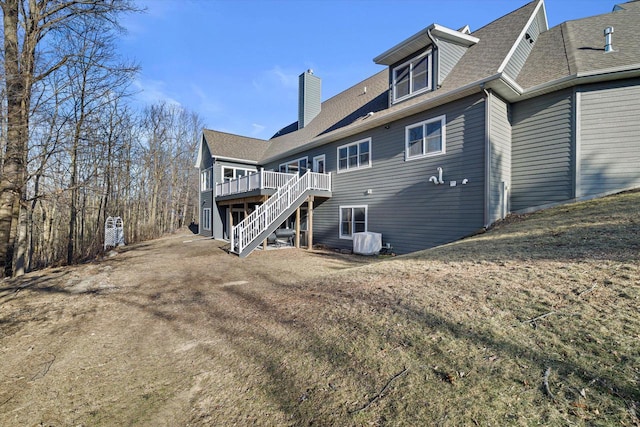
(27, 23)
(170, 136)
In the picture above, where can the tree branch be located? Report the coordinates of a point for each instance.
(379, 395)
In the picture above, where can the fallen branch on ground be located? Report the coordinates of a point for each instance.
(46, 368)
(379, 395)
(542, 316)
(588, 290)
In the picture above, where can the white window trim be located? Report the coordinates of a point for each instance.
(324, 160)
(366, 220)
(205, 180)
(235, 172)
(412, 93)
(286, 164)
(359, 167)
(443, 133)
(206, 218)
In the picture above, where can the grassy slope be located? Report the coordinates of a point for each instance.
(450, 335)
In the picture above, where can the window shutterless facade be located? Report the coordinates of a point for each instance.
(426, 138)
(412, 77)
(206, 218)
(353, 219)
(356, 155)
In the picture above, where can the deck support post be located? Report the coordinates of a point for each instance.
(310, 223)
(263, 199)
(297, 244)
(230, 221)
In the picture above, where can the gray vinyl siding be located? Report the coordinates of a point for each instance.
(609, 137)
(217, 224)
(500, 157)
(520, 55)
(218, 219)
(542, 150)
(411, 212)
(448, 56)
(206, 197)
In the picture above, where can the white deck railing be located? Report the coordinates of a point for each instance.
(271, 211)
(255, 181)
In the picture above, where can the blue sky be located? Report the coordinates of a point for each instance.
(236, 62)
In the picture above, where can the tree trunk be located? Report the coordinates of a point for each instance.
(13, 166)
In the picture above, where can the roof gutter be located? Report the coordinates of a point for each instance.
(233, 159)
(436, 58)
(615, 73)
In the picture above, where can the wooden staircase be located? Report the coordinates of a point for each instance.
(257, 226)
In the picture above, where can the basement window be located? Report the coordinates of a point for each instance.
(353, 219)
(412, 77)
(206, 219)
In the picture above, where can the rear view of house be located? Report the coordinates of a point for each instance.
(458, 129)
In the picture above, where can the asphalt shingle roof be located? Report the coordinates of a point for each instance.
(577, 47)
(349, 108)
(568, 49)
(340, 111)
(223, 144)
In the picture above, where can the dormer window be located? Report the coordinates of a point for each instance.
(412, 77)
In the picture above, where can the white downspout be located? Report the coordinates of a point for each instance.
(487, 154)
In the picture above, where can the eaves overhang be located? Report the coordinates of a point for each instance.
(508, 89)
(421, 40)
(234, 159)
(592, 76)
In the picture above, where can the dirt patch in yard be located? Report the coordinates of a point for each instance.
(134, 338)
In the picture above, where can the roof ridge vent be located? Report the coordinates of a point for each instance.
(608, 45)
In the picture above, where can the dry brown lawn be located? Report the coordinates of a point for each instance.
(536, 322)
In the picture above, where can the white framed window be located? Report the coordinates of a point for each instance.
(319, 164)
(205, 180)
(426, 138)
(356, 155)
(206, 218)
(412, 77)
(229, 173)
(298, 166)
(353, 219)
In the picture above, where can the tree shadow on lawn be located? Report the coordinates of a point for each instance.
(280, 328)
(283, 329)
